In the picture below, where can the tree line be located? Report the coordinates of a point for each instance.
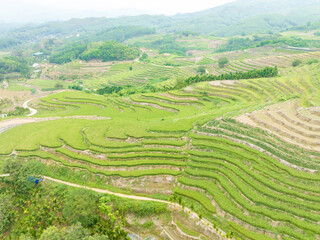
(124, 90)
(257, 73)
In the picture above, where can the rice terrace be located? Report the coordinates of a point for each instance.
(163, 127)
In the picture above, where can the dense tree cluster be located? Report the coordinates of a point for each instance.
(166, 44)
(41, 211)
(47, 211)
(234, 44)
(14, 65)
(69, 53)
(123, 90)
(260, 73)
(8, 42)
(122, 33)
(107, 51)
(110, 51)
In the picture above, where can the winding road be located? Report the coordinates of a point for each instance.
(5, 125)
(32, 110)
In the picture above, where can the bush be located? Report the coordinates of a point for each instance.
(201, 69)
(14, 65)
(80, 206)
(311, 61)
(143, 57)
(58, 86)
(18, 111)
(222, 62)
(296, 63)
(6, 211)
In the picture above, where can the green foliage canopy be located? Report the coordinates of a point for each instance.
(110, 51)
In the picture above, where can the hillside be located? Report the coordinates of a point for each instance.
(221, 148)
(235, 18)
(200, 126)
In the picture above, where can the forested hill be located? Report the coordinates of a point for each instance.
(106, 51)
(252, 16)
(235, 18)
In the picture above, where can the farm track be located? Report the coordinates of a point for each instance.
(32, 110)
(11, 123)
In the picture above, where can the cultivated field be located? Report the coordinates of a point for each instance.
(243, 154)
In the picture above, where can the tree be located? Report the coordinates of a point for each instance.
(111, 222)
(52, 233)
(201, 70)
(144, 57)
(80, 206)
(311, 61)
(58, 86)
(296, 62)
(77, 232)
(222, 62)
(6, 211)
(180, 82)
(110, 51)
(19, 174)
(70, 233)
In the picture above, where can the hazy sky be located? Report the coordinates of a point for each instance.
(152, 6)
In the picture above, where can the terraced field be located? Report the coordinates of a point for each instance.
(240, 153)
(162, 70)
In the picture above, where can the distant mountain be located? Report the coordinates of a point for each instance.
(252, 16)
(20, 12)
(240, 17)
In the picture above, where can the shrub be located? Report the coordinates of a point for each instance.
(222, 62)
(311, 61)
(6, 211)
(80, 206)
(201, 69)
(58, 86)
(296, 62)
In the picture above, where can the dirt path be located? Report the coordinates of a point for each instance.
(107, 192)
(32, 110)
(11, 123)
